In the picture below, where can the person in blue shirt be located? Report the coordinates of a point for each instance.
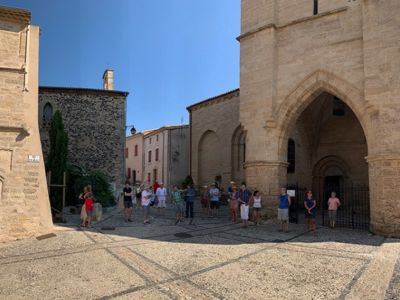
(310, 205)
(190, 195)
(243, 196)
(283, 210)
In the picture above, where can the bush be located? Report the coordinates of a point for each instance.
(78, 178)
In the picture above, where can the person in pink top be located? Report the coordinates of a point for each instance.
(333, 204)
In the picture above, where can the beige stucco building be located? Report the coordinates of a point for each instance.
(160, 155)
(134, 157)
(320, 78)
(25, 209)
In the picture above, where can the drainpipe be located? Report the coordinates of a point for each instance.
(163, 160)
(25, 67)
(190, 145)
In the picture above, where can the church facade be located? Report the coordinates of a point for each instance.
(318, 105)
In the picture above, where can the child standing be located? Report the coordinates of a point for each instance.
(257, 207)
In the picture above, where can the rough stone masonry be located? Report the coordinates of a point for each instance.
(24, 203)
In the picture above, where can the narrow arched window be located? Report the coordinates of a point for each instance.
(291, 156)
(48, 113)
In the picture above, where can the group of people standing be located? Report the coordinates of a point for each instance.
(157, 195)
(240, 200)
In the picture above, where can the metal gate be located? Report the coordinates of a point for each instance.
(354, 211)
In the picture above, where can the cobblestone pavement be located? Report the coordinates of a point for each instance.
(210, 259)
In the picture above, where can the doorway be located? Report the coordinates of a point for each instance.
(333, 184)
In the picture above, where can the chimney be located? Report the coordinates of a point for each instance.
(108, 80)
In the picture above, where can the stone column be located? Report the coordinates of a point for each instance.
(267, 177)
(384, 182)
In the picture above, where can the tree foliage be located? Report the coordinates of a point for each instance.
(78, 178)
(57, 159)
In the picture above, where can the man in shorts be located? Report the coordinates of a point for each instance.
(128, 205)
(161, 194)
(283, 210)
(214, 198)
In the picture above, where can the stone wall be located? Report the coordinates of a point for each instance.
(24, 202)
(214, 126)
(95, 123)
(179, 155)
(289, 57)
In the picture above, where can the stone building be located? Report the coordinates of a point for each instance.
(160, 155)
(95, 122)
(318, 105)
(217, 140)
(24, 202)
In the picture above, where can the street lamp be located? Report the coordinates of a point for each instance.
(133, 129)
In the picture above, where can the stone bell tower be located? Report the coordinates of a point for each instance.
(295, 52)
(24, 201)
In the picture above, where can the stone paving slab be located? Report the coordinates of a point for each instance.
(83, 275)
(212, 259)
(71, 239)
(282, 274)
(393, 292)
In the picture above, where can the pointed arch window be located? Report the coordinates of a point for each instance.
(47, 114)
(291, 156)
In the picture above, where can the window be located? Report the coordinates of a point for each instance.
(126, 152)
(129, 173)
(315, 7)
(291, 156)
(338, 107)
(136, 150)
(244, 153)
(150, 141)
(156, 154)
(157, 138)
(47, 114)
(154, 175)
(148, 177)
(150, 156)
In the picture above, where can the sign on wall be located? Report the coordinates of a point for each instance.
(291, 193)
(33, 158)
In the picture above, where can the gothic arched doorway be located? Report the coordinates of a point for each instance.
(330, 156)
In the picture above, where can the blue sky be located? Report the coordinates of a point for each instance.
(167, 54)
